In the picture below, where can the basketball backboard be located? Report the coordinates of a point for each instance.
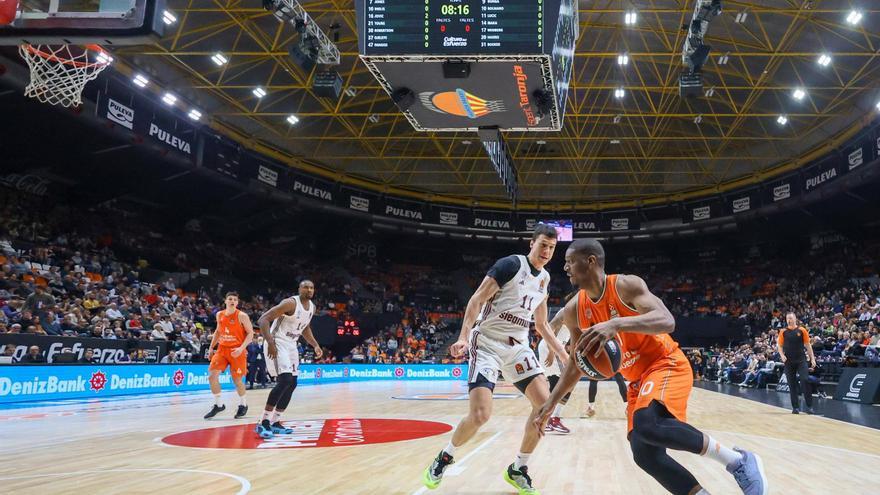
(103, 22)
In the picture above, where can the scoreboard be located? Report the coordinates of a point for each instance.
(406, 27)
(454, 65)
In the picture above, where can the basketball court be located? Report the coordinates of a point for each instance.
(370, 442)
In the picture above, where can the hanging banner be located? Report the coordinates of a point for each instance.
(493, 220)
(404, 210)
(861, 150)
(704, 210)
(822, 173)
(585, 223)
(450, 216)
(782, 189)
(742, 202)
(312, 188)
(141, 115)
(357, 200)
(618, 221)
(266, 171)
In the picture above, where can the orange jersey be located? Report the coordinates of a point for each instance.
(640, 350)
(231, 330)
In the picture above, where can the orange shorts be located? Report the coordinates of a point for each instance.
(668, 381)
(223, 357)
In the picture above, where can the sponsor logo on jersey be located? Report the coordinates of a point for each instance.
(541, 286)
(119, 113)
(516, 320)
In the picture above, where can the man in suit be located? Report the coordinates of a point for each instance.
(256, 364)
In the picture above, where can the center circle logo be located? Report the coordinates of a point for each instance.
(311, 433)
(456, 372)
(398, 372)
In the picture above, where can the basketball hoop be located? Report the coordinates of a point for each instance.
(60, 72)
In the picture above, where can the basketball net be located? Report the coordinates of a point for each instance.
(59, 73)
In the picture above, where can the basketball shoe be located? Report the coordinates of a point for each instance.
(434, 473)
(280, 429)
(215, 411)
(264, 429)
(555, 424)
(520, 480)
(242, 410)
(749, 473)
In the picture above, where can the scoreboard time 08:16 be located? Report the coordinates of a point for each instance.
(417, 27)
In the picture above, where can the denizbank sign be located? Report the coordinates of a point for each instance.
(27, 383)
(24, 383)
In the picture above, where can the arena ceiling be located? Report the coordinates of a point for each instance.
(651, 145)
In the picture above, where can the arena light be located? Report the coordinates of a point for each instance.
(619, 92)
(259, 92)
(854, 17)
(168, 17)
(169, 99)
(292, 119)
(140, 81)
(782, 120)
(104, 58)
(824, 60)
(630, 18)
(195, 114)
(219, 59)
(741, 17)
(798, 94)
(622, 59)
(722, 60)
(878, 105)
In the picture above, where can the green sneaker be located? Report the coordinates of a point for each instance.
(520, 480)
(434, 473)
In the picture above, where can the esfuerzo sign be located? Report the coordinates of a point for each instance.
(26, 383)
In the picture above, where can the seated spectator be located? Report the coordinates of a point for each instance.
(171, 357)
(88, 357)
(34, 356)
(158, 333)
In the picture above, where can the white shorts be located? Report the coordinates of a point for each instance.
(286, 361)
(543, 350)
(490, 356)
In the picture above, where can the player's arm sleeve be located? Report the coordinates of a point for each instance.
(504, 270)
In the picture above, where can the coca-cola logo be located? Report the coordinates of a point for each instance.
(98, 381)
(398, 372)
(456, 372)
(28, 183)
(178, 378)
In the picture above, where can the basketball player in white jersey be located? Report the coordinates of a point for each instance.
(513, 293)
(281, 327)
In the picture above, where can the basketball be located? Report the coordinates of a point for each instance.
(603, 366)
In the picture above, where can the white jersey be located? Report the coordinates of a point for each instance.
(287, 328)
(510, 312)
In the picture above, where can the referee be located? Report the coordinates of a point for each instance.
(794, 346)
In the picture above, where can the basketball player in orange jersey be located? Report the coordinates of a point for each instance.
(658, 371)
(233, 334)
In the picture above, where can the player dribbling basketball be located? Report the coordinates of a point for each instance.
(659, 373)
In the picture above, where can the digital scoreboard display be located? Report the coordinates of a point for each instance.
(428, 27)
(564, 229)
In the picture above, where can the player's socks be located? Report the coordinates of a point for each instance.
(266, 415)
(522, 459)
(276, 417)
(721, 453)
(557, 412)
(216, 399)
(242, 400)
(450, 449)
